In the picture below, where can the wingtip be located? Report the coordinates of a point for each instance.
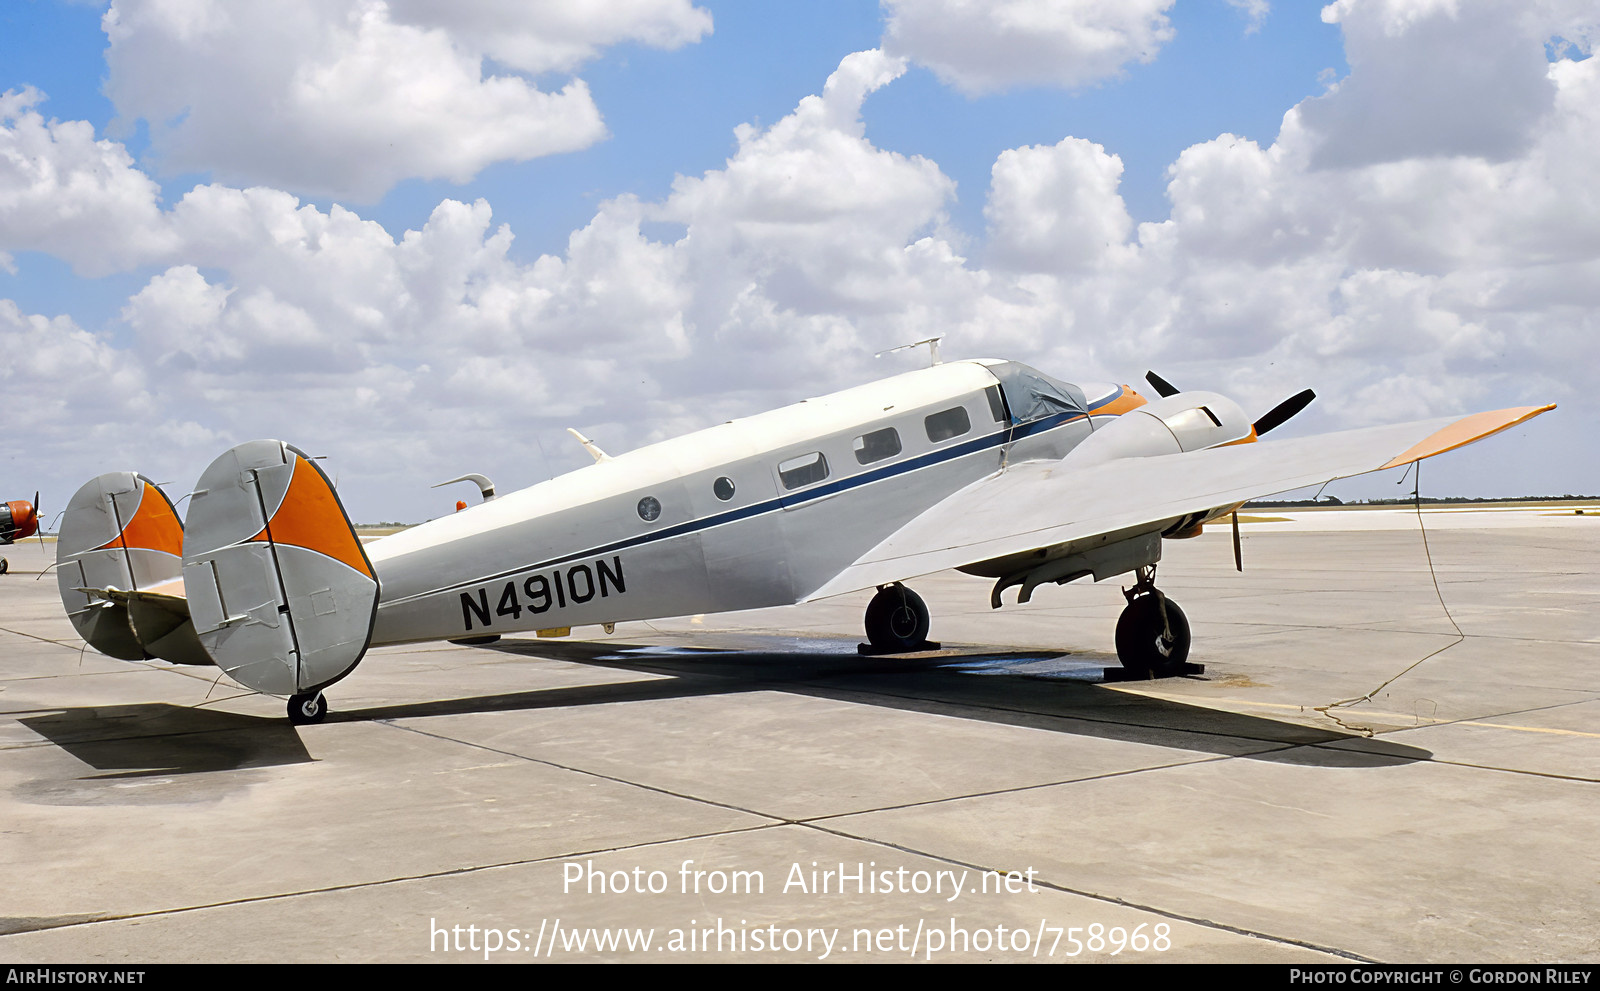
(1467, 430)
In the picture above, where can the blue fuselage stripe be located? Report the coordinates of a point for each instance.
(955, 451)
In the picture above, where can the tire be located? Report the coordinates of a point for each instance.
(308, 708)
(897, 620)
(1138, 629)
(5, 566)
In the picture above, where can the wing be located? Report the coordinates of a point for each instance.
(1043, 504)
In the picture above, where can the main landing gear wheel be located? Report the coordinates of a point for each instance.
(897, 621)
(5, 566)
(311, 707)
(1152, 632)
(1148, 645)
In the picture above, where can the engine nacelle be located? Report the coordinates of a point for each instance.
(1188, 421)
(18, 520)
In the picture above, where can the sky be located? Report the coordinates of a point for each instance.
(423, 239)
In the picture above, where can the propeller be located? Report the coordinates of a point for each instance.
(1238, 553)
(1276, 416)
(1160, 384)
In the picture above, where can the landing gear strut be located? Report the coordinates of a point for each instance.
(897, 622)
(1152, 632)
(310, 707)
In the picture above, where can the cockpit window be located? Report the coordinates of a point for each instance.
(997, 403)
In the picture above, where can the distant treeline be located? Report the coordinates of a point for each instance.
(1431, 500)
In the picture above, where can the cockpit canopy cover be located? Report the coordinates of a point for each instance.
(1032, 394)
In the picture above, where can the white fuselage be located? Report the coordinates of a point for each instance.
(755, 512)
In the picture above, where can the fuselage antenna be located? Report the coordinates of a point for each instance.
(485, 487)
(590, 446)
(933, 349)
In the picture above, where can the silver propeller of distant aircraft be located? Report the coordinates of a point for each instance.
(1270, 420)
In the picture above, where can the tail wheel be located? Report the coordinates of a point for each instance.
(311, 707)
(1146, 644)
(897, 620)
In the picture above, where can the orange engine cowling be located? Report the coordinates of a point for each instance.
(17, 520)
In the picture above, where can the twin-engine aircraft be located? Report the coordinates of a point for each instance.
(986, 466)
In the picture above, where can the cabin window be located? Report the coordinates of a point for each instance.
(722, 488)
(950, 423)
(649, 509)
(877, 445)
(804, 470)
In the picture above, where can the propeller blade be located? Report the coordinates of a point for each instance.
(1238, 553)
(1160, 384)
(1275, 416)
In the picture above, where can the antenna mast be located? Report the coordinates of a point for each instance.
(933, 349)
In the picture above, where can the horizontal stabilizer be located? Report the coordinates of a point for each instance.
(281, 592)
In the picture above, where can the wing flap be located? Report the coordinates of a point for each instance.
(1042, 504)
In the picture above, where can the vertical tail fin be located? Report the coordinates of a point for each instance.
(281, 592)
(119, 533)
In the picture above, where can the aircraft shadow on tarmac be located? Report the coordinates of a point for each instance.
(1032, 688)
(157, 738)
(1048, 690)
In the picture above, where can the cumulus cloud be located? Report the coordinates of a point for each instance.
(1411, 286)
(348, 97)
(1415, 282)
(72, 394)
(982, 47)
(809, 250)
(67, 194)
(1474, 76)
(809, 209)
(1055, 208)
(557, 37)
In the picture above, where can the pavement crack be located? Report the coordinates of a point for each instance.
(1107, 899)
(943, 799)
(580, 770)
(17, 926)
